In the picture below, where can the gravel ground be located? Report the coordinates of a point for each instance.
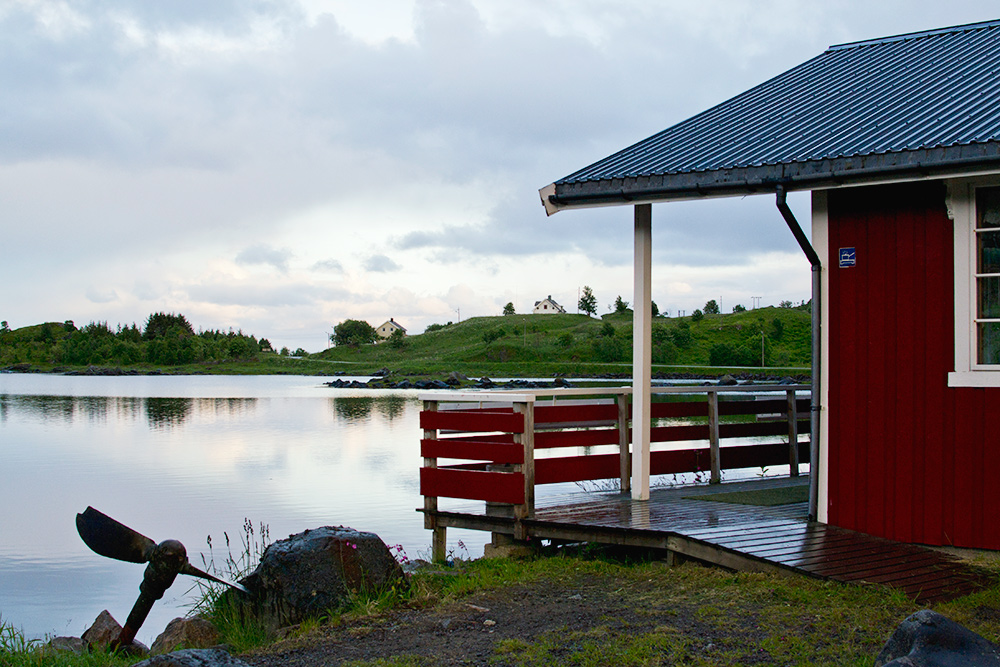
(470, 631)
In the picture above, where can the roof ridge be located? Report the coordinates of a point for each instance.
(916, 35)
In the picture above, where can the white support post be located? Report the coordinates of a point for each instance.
(714, 456)
(641, 351)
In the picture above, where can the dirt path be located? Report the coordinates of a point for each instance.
(494, 627)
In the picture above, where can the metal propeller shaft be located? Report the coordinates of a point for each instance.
(112, 539)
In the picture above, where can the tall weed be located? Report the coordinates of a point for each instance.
(224, 607)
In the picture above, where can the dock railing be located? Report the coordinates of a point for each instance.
(490, 440)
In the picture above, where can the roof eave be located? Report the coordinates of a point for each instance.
(807, 175)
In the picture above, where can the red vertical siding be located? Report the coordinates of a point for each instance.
(910, 459)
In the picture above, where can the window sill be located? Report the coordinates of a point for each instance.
(974, 379)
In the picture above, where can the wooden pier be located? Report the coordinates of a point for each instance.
(492, 447)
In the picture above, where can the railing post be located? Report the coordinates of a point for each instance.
(713, 437)
(793, 434)
(625, 461)
(439, 539)
(527, 441)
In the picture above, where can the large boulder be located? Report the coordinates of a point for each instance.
(67, 644)
(315, 571)
(928, 639)
(105, 630)
(183, 633)
(212, 657)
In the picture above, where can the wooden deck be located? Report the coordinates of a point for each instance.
(775, 539)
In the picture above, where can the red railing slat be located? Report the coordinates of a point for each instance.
(585, 438)
(679, 409)
(554, 414)
(576, 468)
(494, 487)
(471, 450)
(472, 420)
(678, 433)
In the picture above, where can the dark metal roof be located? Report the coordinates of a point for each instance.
(919, 104)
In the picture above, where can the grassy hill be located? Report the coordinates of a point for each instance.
(501, 346)
(540, 345)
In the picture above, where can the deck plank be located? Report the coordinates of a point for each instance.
(739, 536)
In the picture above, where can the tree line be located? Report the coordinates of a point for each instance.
(165, 339)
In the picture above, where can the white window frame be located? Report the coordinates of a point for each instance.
(961, 204)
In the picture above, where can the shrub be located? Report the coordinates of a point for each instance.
(354, 333)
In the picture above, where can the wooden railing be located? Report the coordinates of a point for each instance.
(491, 439)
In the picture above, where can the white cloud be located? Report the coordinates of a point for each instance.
(260, 253)
(286, 164)
(381, 264)
(101, 295)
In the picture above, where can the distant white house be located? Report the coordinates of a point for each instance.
(387, 328)
(546, 306)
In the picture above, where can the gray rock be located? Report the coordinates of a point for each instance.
(105, 630)
(185, 633)
(928, 639)
(315, 571)
(728, 380)
(458, 377)
(70, 644)
(193, 657)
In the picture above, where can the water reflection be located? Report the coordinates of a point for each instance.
(166, 413)
(290, 454)
(158, 412)
(360, 408)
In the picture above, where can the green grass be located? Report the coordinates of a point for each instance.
(701, 616)
(500, 346)
(690, 615)
(542, 345)
(17, 651)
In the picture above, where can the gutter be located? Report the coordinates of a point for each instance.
(740, 181)
(817, 365)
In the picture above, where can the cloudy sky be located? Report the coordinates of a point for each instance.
(282, 165)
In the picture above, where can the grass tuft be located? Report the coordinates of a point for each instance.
(18, 651)
(222, 606)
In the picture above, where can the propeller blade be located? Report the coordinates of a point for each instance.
(111, 539)
(195, 572)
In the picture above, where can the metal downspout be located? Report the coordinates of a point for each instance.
(817, 366)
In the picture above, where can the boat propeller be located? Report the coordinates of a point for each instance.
(167, 559)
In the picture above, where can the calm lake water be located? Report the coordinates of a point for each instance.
(186, 458)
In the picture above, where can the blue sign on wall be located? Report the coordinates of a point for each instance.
(848, 257)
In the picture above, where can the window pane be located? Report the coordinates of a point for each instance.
(989, 297)
(989, 251)
(989, 342)
(987, 208)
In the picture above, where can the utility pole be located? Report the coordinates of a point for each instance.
(459, 311)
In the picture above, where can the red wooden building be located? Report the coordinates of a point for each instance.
(898, 140)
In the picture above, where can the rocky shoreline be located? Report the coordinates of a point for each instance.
(456, 380)
(381, 378)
